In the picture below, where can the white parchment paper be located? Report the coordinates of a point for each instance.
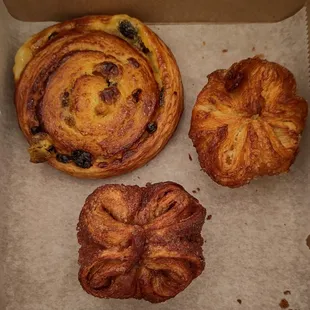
(256, 240)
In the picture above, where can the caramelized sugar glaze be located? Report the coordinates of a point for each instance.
(247, 122)
(142, 243)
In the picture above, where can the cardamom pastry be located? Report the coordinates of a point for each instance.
(247, 122)
(140, 242)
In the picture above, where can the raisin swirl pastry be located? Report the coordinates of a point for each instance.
(97, 96)
(247, 122)
(142, 243)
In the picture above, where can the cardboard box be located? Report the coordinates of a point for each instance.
(256, 240)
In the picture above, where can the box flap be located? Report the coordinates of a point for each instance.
(158, 10)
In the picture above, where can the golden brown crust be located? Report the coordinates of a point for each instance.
(102, 93)
(142, 243)
(247, 122)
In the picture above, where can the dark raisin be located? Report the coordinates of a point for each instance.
(127, 29)
(161, 97)
(233, 80)
(151, 127)
(107, 69)
(65, 99)
(144, 49)
(133, 62)
(63, 158)
(35, 129)
(51, 149)
(82, 159)
(110, 95)
(136, 94)
(52, 35)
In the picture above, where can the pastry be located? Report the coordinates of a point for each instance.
(247, 122)
(97, 96)
(142, 243)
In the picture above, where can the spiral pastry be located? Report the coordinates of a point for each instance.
(97, 96)
(142, 243)
(247, 122)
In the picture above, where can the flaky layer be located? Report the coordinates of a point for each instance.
(97, 96)
(247, 122)
(142, 243)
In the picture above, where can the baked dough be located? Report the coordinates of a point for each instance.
(247, 122)
(97, 96)
(142, 243)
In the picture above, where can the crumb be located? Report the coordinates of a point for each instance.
(194, 192)
(198, 189)
(284, 304)
(225, 50)
(193, 84)
(203, 43)
(287, 292)
(308, 242)
(209, 217)
(203, 57)
(253, 49)
(284, 224)
(246, 223)
(148, 184)
(190, 157)
(239, 301)
(138, 177)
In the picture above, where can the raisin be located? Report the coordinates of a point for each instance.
(151, 127)
(63, 158)
(82, 159)
(52, 35)
(133, 62)
(144, 49)
(161, 97)
(110, 95)
(127, 29)
(107, 69)
(136, 94)
(110, 69)
(35, 130)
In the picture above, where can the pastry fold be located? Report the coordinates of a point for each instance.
(142, 243)
(247, 122)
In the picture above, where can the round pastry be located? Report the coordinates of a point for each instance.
(97, 96)
(247, 122)
(142, 243)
